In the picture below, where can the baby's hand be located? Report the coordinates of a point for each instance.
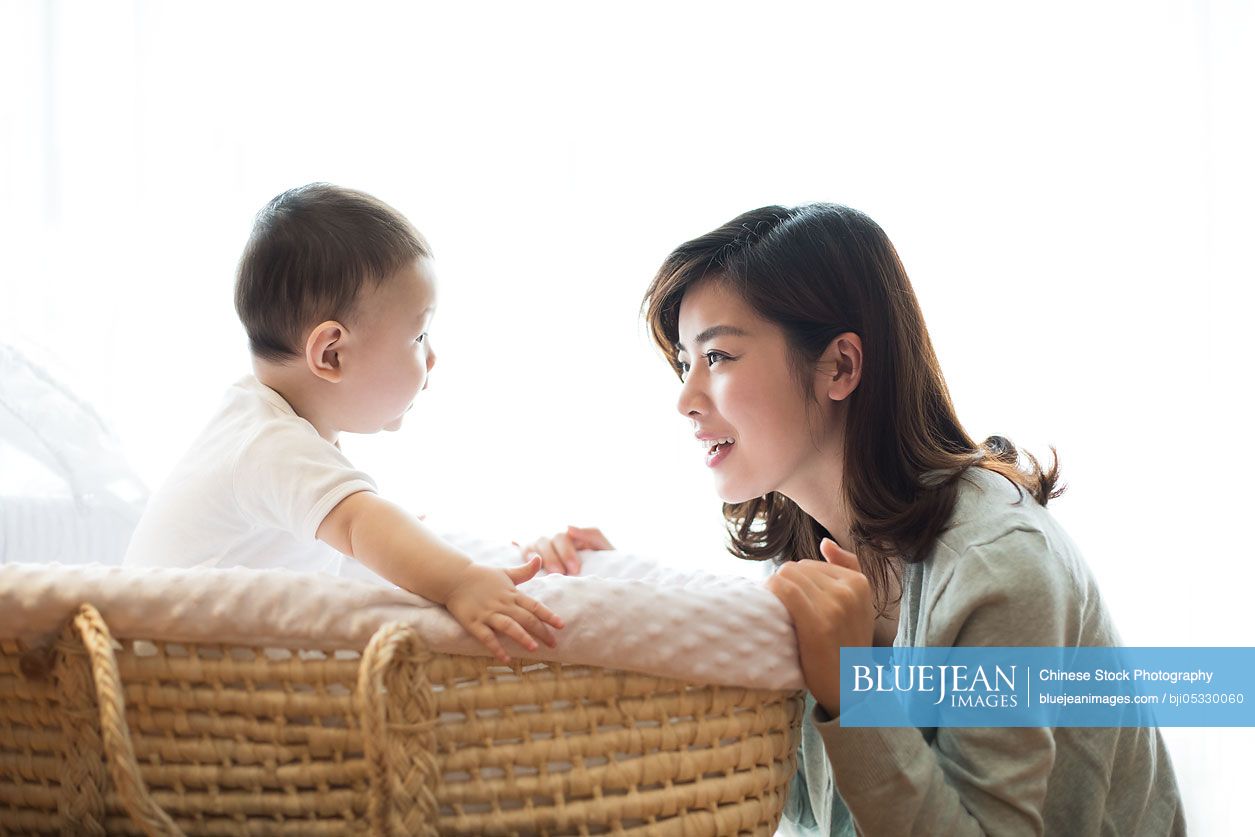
(486, 601)
(558, 554)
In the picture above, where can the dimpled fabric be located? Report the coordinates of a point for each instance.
(621, 612)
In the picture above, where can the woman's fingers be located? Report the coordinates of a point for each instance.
(835, 555)
(834, 579)
(830, 603)
(829, 597)
(794, 593)
(801, 596)
(816, 578)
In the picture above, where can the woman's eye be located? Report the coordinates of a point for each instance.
(712, 357)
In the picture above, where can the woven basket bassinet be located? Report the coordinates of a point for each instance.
(145, 736)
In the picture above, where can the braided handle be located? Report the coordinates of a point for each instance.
(120, 752)
(395, 703)
(398, 711)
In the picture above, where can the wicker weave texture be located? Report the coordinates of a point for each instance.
(148, 737)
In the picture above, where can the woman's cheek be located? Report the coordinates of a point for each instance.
(729, 396)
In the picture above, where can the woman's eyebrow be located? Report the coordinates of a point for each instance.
(713, 332)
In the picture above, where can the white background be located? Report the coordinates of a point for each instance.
(1068, 184)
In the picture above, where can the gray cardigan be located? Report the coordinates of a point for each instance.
(1003, 573)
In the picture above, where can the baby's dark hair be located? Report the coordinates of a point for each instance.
(311, 251)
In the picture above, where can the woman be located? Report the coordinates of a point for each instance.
(809, 375)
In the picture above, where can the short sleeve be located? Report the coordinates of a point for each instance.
(288, 477)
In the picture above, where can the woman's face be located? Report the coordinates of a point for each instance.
(760, 432)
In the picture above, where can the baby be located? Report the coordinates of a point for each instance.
(336, 291)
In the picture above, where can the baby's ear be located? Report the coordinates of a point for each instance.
(322, 350)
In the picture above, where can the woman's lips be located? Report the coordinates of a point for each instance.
(718, 453)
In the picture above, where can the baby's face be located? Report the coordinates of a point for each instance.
(392, 352)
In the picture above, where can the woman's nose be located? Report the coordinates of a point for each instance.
(692, 400)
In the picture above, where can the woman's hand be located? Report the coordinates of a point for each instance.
(830, 603)
(558, 553)
(486, 601)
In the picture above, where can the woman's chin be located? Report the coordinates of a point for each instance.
(734, 494)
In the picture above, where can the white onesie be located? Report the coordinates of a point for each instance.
(251, 492)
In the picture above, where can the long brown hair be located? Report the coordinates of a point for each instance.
(817, 271)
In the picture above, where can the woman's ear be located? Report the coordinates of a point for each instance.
(840, 367)
(322, 350)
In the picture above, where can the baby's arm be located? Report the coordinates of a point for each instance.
(397, 546)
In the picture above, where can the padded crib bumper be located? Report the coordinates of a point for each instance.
(150, 736)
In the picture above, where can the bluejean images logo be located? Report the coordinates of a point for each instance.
(963, 686)
(1030, 687)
